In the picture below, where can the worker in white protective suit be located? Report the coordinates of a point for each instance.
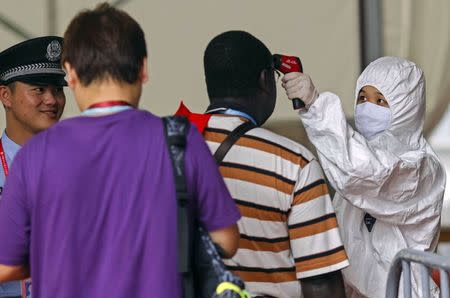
(389, 183)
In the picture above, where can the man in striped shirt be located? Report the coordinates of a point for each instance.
(290, 243)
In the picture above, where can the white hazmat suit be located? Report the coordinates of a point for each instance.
(395, 177)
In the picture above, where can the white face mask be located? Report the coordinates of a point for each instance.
(372, 119)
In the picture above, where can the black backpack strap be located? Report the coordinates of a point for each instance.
(176, 129)
(232, 138)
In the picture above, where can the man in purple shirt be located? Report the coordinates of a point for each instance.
(89, 206)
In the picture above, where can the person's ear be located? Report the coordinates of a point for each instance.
(5, 96)
(143, 73)
(265, 80)
(72, 77)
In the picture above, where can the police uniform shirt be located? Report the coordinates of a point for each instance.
(8, 289)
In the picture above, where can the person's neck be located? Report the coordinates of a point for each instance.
(107, 90)
(236, 103)
(17, 133)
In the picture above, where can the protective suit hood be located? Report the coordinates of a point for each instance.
(403, 85)
(395, 177)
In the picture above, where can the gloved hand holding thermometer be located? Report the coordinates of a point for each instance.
(299, 87)
(288, 64)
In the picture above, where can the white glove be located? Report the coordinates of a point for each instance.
(300, 85)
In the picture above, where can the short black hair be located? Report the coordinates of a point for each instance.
(104, 43)
(233, 63)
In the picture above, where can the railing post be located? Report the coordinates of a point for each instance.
(406, 272)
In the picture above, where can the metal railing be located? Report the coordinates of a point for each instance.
(425, 261)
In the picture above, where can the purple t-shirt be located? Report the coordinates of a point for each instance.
(90, 204)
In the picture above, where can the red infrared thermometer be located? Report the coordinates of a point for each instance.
(287, 64)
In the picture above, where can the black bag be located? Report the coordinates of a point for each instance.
(203, 272)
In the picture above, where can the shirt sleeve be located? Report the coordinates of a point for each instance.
(313, 230)
(14, 218)
(215, 207)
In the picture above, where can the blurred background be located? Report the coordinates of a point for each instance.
(335, 39)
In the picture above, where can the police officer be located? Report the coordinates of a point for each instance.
(31, 91)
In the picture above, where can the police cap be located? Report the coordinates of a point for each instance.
(35, 61)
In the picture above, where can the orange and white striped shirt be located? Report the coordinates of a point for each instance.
(288, 226)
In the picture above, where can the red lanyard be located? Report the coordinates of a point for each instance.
(109, 103)
(3, 159)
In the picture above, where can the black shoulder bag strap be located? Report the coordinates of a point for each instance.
(232, 138)
(176, 129)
